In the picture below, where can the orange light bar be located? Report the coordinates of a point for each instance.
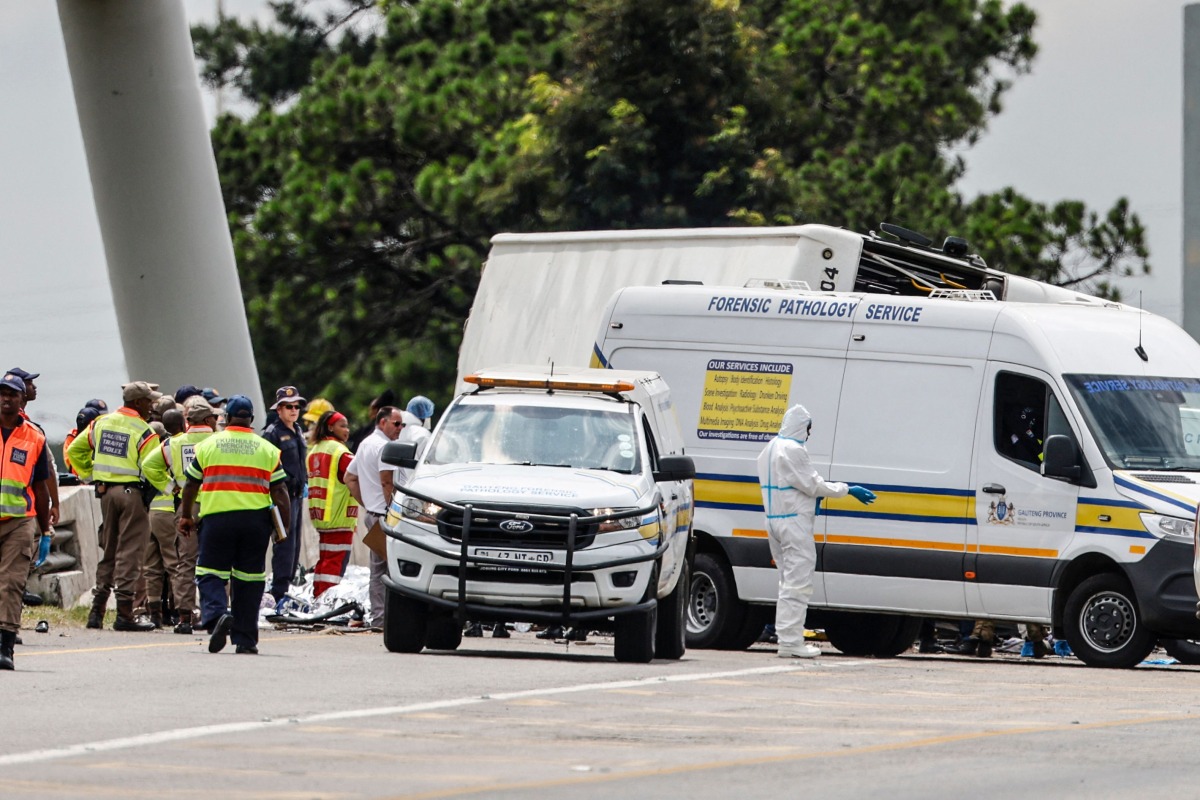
(489, 382)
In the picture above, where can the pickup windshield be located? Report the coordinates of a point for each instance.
(1142, 422)
(537, 435)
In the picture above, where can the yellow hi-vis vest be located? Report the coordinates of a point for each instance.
(330, 504)
(236, 468)
(19, 455)
(114, 448)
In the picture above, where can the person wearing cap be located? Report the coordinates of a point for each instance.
(31, 394)
(85, 417)
(237, 476)
(161, 558)
(286, 434)
(186, 391)
(333, 510)
(24, 506)
(111, 455)
(165, 469)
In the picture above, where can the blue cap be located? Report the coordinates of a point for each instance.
(185, 391)
(23, 375)
(420, 407)
(13, 381)
(212, 396)
(97, 404)
(85, 417)
(239, 406)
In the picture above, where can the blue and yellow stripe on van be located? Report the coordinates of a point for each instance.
(907, 504)
(598, 361)
(1127, 480)
(730, 492)
(1112, 517)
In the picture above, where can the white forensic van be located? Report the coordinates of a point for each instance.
(1033, 461)
(560, 497)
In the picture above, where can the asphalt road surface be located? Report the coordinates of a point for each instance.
(99, 714)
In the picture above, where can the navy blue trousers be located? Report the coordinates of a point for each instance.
(233, 551)
(286, 555)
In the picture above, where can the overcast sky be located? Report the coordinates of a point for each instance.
(1098, 118)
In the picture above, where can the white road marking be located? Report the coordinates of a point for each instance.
(182, 734)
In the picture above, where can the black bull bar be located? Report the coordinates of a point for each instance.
(483, 612)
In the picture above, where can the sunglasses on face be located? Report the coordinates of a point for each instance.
(288, 407)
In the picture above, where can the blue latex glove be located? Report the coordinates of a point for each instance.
(304, 491)
(864, 496)
(43, 550)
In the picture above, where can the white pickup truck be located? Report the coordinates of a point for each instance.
(560, 497)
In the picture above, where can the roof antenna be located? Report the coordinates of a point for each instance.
(1141, 351)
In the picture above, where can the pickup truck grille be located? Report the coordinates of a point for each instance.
(545, 534)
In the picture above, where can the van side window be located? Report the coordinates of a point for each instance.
(1019, 418)
(651, 445)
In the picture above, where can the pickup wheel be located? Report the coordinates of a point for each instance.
(715, 615)
(671, 640)
(404, 624)
(443, 632)
(634, 635)
(1103, 624)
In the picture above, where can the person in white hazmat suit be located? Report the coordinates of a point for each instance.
(790, 488)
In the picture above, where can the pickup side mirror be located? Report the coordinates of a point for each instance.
(675, 468)
(1060, 458)
(399, 454)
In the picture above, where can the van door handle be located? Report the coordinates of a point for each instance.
(674, 497)
(994, 488)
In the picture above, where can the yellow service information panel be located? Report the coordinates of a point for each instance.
(744, 400)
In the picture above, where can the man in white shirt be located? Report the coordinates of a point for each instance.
(370, 482)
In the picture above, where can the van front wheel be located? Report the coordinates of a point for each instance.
(1103, 624)
(715, 615)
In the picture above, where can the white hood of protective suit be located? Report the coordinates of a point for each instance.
(795, 423)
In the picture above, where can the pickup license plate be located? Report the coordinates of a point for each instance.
(523, 556)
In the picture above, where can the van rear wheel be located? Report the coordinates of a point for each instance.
(715, 615)
(1103, 624)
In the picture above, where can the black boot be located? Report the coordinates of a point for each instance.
(126, 621)
(7, 640)
(967, 647)
(156, 615)
(95, 618)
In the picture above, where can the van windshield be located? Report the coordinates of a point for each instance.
(1142, 422)
(537, 435)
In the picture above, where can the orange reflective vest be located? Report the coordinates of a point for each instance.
(236, 468)
(19, 455)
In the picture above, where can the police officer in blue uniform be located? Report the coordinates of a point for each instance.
(286, 434)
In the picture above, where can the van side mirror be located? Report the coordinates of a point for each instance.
(675, 468)
(1060, 459)
(399, 454)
